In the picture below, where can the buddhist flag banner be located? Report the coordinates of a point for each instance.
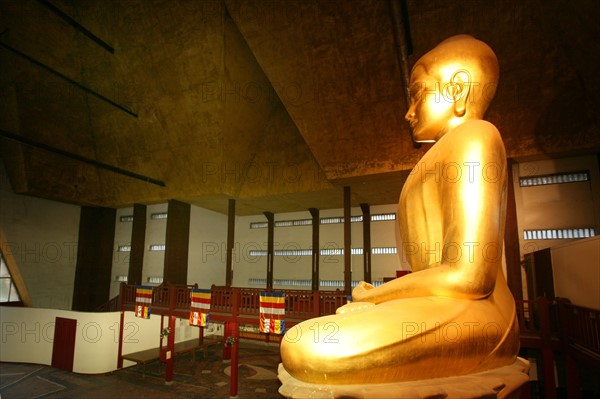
(272, 310)
(199, 307)
(143, 301)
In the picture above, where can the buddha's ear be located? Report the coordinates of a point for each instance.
(459, 89)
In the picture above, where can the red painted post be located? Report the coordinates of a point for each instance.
(162, 327)
(171, 337)
(170, 351)
(234, 341)
(227, 348)
(572, 368)
(122, 319)
(316, 303)
(120, 358)
(547, 353)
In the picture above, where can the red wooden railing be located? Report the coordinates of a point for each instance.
(559, 326)
(234, 302)
(537, 319)
(581, 328)
(546, 325)
(299, 304)
(113, 305)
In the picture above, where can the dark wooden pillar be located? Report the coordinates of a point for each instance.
(511, 238)
(177, 240)
(539, 274)
(270, 250)
(366, 211)
(230, 243)
(138, 245)
(347, 242)
(94, 258)
(315, 248)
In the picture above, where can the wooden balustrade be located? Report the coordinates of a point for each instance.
(581, 327)
(160, 296)
(539, 320)
(545, 325)
(227, 302)
(127, 295)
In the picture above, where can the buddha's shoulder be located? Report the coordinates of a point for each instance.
(476, 130)
(478, 135)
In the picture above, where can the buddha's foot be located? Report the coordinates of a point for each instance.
(504, 383)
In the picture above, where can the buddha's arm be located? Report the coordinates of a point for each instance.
(472, 226)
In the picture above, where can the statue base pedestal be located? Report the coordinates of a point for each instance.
(503, 382)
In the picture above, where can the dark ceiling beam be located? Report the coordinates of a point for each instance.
(67, 79)
(77, 26)
(402, 38)
(77, 157)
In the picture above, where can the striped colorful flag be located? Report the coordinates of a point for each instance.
(272, 310)
(199, 307)
(143, 301)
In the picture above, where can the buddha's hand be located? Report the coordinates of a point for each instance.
(354, 307)
(361, 291)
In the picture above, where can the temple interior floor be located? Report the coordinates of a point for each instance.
(203, 378)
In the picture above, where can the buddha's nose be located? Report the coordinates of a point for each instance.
(410, 115)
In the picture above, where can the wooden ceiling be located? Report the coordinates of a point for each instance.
(277, 104)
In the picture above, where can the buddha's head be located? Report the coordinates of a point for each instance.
(449, 85)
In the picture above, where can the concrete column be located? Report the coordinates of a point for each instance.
(94, 258)
(138, 245)
(230, 243)
(347, 242)
(177, 242)
(366, 210)
(270, 251)
(316, 224)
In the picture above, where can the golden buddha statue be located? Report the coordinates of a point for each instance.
(454, 315)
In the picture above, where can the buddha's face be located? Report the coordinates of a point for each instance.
(431, 111)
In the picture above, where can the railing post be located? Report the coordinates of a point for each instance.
(572, 369)
(316, 303)
(170, 351)
(231, 326)
(235, 303)
(121, 293)
(172, 290)
(547, 353)
(120, 354)
(234, 341)
(122, 320)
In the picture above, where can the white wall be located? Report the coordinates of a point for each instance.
(208, 247)
(42, 236)
(27, 336)
(120, 265)
(300, 237)
(556, 206)
(576, 271)
(156, 230)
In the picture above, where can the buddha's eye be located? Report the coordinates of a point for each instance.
(415, 97)
(416, 92)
